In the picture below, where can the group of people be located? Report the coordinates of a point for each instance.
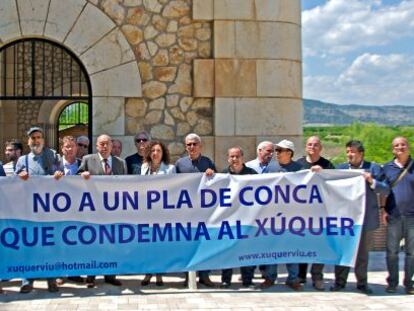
(393, 182)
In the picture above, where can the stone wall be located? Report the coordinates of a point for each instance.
(229, 70)
(166, 41)
(255, 76)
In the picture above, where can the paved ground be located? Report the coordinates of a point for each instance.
(172, 296)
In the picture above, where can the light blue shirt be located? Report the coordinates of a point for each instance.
(46, 163)
(70, 169)
(271, 167)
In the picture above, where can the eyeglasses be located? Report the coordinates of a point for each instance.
(82, 145)
(141, 140)
(191, 144)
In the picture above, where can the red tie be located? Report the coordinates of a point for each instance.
(108, 170)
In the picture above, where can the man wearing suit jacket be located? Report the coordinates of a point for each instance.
(2, 172)
(375, 183)
(102, 163)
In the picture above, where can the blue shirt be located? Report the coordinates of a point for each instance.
(292, 166)
(401, 198)
(45, 163)
(199, 165)
(70, 169)
(271, 167)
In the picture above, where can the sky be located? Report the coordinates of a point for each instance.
(358, 51)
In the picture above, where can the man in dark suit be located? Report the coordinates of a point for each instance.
(102, 163)
(134, 161)
(2, 173)
(375, 183)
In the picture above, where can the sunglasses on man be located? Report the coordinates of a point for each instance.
(141, 140)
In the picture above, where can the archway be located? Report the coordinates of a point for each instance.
(36, 76)
(73, 120)
(96, 40)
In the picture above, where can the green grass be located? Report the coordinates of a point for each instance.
(376, 139)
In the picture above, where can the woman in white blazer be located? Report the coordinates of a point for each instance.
(156, 161)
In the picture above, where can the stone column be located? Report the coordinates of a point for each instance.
(255, 76)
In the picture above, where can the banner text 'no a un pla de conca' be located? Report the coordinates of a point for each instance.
(172, 223)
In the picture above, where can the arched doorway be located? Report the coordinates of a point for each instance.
(36, 76)
(73, 120)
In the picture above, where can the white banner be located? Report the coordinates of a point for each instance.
(170, 223)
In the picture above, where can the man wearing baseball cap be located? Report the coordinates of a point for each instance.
(40, 161)
(285, 150)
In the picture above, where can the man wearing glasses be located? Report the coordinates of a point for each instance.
(134, 161)
(284, 154)
(194, 162)
(83, 146)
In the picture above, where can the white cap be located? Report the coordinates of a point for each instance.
(286, 144)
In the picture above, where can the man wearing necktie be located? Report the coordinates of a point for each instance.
(102, 163)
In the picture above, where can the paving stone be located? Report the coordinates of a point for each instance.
(174, 297)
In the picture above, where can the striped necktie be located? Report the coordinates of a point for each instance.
(108, 170)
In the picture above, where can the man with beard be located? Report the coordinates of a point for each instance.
(12, 152)
(134, 161)
(40, 161)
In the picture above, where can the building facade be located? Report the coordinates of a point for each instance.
(229, 70)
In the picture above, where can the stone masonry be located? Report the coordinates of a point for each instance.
(229, 70)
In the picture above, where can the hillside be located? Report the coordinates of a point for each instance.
(317, 112)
